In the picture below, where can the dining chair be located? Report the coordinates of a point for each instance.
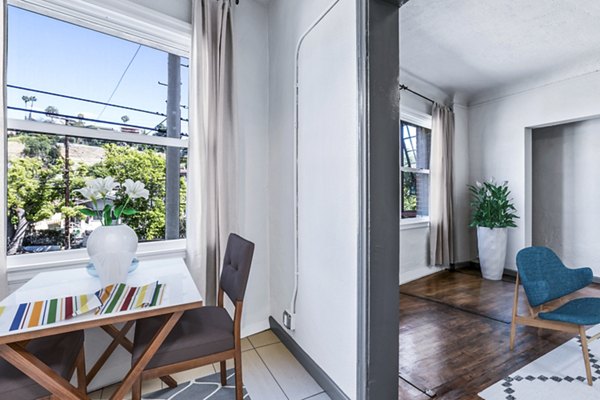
(545, 279)
(62, 353)
(205, 335)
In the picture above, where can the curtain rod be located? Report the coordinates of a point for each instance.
(404, 87)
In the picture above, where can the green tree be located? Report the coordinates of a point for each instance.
(31, 196)
(148, 166)
(44, 147)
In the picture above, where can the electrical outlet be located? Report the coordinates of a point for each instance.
(289, 320)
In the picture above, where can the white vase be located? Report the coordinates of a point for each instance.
(111, 250)
(492, 251)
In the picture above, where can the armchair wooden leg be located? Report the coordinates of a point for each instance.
(136, 390)
(513, 324)
(239, 385)
(586, 356)
(223, 367)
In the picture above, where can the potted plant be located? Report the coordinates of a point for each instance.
(112, 246)
(493, 213)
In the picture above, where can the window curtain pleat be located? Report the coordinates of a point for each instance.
(441, 212)
(3, 154)
(212, 170)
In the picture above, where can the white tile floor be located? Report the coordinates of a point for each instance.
(270, 373)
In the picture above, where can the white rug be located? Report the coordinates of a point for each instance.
(559, 374)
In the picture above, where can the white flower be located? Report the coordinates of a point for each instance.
(478, 184)
(135, 189)
(88, 193)
(103, 186)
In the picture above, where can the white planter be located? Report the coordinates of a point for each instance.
(492, 251)
(111, 250)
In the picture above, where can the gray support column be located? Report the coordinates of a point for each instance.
(173, 155)
(380, 127)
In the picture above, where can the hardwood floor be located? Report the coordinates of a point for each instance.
(454, 335)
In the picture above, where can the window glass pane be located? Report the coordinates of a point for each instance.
(415, 194)
(61, 73)
(415, 146)
(44, 208)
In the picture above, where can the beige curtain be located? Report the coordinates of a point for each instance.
(211, 202)
(3, 156)
(440, 194)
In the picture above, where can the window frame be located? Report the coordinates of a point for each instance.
(423, 120)
(123, 20)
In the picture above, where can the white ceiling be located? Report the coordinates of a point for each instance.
(474, 47)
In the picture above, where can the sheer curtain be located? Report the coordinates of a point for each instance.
(211, 197)
(440, 212)
(3, 278)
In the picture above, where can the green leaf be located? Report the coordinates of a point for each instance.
(88, 212)
(107, 214)
(129, 211)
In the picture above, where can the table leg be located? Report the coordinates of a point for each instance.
(118, 339)
(39, 372)
(153, 346)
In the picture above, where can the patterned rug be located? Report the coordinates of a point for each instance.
(205, 388)
(559, 374)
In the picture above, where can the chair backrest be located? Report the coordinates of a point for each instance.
(546, 278)
(236, 267)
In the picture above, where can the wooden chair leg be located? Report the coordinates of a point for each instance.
(81, 377)
(239, 385)
(136, 390)
(586, 355)
(223, 368)
(513, 324)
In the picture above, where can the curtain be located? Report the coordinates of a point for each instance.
(3, 155)
(440, 211)
(211, 201)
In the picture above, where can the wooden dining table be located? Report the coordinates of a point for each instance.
(180, 294)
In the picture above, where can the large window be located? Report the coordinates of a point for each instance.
(415, 144)
(81, 105)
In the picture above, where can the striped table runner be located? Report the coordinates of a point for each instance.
(43, 312)
(113, 298)
(121, 297)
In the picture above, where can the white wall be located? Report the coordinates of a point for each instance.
(252, 82)
(565, 168)
(499, 147)
(180, 9)
(327, 299)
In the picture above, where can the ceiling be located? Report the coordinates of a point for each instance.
(473, 47)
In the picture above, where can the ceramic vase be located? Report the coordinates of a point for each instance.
(491, 244)
(111, 249)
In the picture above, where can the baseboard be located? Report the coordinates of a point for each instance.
(248, 330)
(415, 274)
(308, 363)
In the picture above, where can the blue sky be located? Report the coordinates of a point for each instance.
(55, 56)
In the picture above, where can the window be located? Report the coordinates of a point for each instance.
(83, 104)
(415, 145)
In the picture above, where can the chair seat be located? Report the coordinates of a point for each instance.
(582, 311)
(198, 333)
(59, 352)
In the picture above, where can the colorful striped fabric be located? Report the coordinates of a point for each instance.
(113, 298)
(121, 297)
(43, 312)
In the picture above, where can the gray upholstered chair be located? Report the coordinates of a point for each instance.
(63, 353)
(204, 335)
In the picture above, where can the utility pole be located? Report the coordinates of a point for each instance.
(67, 178)
(173, 155)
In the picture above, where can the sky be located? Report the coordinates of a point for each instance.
(56, 56)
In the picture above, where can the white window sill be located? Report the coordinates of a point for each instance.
(414, 223)
(23, 267)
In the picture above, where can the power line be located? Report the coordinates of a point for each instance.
(121, 79)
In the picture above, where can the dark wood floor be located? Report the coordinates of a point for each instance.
(454, 335)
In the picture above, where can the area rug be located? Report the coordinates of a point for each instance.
(205, 388)
(559, 374)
